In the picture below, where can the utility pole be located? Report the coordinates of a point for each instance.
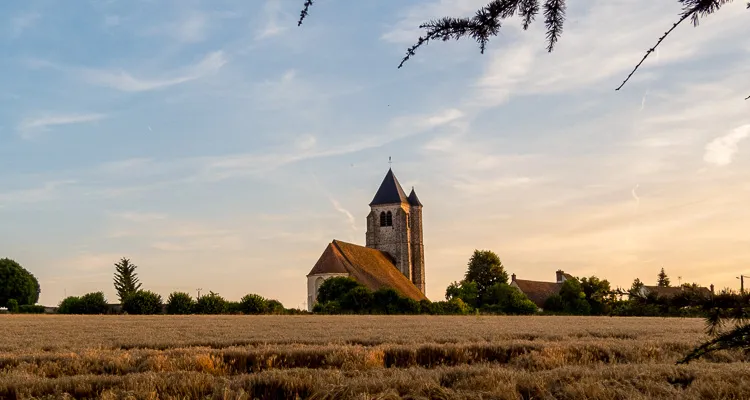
(742, 282)
(199, 292)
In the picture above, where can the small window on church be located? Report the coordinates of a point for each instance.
(382, 218)
(389, 219)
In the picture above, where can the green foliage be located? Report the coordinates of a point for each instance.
(358, 300)
(335, 288)
(180, 303)
(31, 309)
(329, 307)
(635, 288)
(17, 283)
(662, 279)
(253, 304)
(507, 300)
(467, 291)
(90, 303)
(485, 270)
(574, 298)
(12, 306)
(211, 303)
(126, 280)
(233, 307)
(274, 307)
(456, 307)
(142, 302)
(598, 294)
(554, 303)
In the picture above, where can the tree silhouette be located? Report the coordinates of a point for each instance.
(486, 23)
(126, 280)
(663, 280)
(722, 309)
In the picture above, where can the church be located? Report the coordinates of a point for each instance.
(394, 253)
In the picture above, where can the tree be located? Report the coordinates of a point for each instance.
(508, 300)
(12, 306)
(17, 283)
(180, 303)
(635, 288)
(465, 290)
(487, 21)
(598, 294)
(358, 300)
(485, 270)
(211, 303)
(335, 288)
(142, 302)
(253, 304)
(90, 303)
(663, 279)
(274, 307)
(574, 298)
(126, 280)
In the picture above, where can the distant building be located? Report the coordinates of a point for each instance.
(537, 291)
(671, 291)
(394, 252)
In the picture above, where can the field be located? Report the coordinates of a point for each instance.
(361, 357)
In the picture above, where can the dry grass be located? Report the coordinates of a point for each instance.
(228, 357)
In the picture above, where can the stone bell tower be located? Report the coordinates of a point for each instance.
(394, 226)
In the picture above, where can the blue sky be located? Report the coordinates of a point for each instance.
(219, 146)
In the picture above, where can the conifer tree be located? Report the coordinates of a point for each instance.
(126, 279)
(663, 279)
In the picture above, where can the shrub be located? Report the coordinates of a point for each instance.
(211, 303)
(233, 307)
(31, 309)
(554, 303)
(329, 307)
(12, 305)
(386, 301)
(142, 302)
(358, 300)
(253, 304)
(335, 288)
(180, 303)
(275, 307)
(508, 300)
(90, 303)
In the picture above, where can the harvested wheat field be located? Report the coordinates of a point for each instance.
(361, 357)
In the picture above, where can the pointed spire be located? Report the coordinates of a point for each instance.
(413, 199)
(390, 191)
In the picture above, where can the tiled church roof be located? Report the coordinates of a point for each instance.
(370, 267)
(390, 191)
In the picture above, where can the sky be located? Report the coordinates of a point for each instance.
(219, 146)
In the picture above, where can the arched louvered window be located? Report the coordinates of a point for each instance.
(389, 219)
(382, 218)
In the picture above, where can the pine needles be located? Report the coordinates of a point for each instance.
(486, 23)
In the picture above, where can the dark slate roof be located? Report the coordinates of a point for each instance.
(413, 199)
(538, 292)
(674, 290)
(370, 267)
(390, 191)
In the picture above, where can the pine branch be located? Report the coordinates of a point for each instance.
(738, 338)
(554, 17)
(651, 50)
(304, 12)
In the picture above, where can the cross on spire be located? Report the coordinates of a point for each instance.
(389, 161)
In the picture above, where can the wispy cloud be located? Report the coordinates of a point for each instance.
(30, 125)
(192, 28)
(721, 150)
(22, 22)
(45, 192)
(124, 81)
(272, 27)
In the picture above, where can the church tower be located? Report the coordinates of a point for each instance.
(394, 226)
